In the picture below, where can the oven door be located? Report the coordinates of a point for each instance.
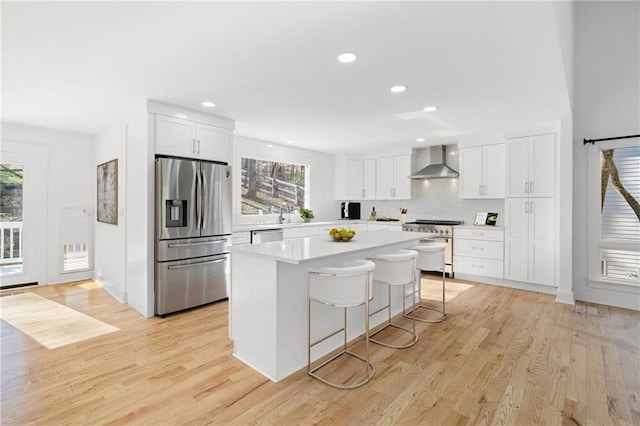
(448, 251)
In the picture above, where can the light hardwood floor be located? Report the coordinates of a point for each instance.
(502, 357)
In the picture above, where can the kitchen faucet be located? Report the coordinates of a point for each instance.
(280, 218)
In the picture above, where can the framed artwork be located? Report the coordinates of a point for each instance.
(107, 192)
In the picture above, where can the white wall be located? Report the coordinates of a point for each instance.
(321, 173)
(109, 240)
(69, 184)
(606, 104)
(139, 216)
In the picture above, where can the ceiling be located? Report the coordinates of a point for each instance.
(272, 67)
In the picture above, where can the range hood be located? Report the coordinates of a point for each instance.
(438, 169)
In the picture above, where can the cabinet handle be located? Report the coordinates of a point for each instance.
(526, 187)
(480, 190)
(477, 233)
(484, 190)
(193, 146)
(530, 206)
(526, 207)
(531, 187)
(477, 248)
(477, 266)
(198, 146)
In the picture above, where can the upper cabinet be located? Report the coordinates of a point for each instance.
(531, 166)
(361, 179)
(185, 138)
(482, 171)
(392, 177)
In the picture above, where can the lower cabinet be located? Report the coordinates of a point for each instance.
(478, 252)
(530, 240)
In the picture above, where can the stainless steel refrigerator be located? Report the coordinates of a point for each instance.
(193, 229)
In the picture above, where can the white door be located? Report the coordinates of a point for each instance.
(385, 178)
(542, 166)
(471, 172)
(213, 143)
(401, 171)
(516, 239)
(20, 178)
(175, 136)
(541, 247)
(493, 160)
(517, 167)
(355, 172)
(369, 176)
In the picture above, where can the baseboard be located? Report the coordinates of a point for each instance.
(120, 296)
(508, 283)
(566, 297)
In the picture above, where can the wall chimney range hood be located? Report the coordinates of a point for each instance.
(438, 169)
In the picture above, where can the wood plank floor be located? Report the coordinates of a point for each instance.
(503, 356)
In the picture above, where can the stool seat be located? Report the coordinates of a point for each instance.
(348, 285)
(430, 258)
(395, 268)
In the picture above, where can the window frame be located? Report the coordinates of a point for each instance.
(595, 243)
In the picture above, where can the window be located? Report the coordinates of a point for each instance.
(75, 257)
(267, 185)
(619, 243)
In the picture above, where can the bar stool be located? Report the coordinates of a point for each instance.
(345, 286)
(430, 258)
(395, 268)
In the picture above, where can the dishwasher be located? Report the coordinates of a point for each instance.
(266, 235)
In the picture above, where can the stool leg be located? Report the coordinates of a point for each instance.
(444, 314)
(308, 336)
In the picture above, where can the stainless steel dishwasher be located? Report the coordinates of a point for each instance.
(266, 235)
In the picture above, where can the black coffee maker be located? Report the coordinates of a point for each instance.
(349, 210)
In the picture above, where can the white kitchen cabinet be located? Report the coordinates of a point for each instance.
(531, 166)
(529, 242)
(242, 237)
(186, 138)
(361, 179)
(392, 177)
(482, 171)
(479, 252)
(300, 232)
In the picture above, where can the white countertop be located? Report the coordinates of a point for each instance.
(485, 227)
(299, 250)
(243, 227)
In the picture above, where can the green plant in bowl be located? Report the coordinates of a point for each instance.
(306, 214)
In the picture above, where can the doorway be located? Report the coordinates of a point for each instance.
(21, 210)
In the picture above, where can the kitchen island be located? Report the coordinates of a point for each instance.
(268, 298)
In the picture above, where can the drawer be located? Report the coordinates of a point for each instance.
(479, 234)
(379, 227)
(238, 238)
(474, 266)
(478, 248)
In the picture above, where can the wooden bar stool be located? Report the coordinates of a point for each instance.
(430, 258)
(345, 286)
(396, 268)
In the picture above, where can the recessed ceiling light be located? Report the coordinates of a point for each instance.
(398, 89)
(269, 146)
(289, 142)
(347, 57)
(431, 108)
(420, 140)
(208, 104)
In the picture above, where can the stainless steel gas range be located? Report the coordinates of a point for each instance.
(442, 231)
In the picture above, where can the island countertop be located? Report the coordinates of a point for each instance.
(298, 250)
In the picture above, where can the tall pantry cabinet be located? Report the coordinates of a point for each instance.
(530, 210)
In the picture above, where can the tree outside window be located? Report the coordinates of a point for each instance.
(267, 185)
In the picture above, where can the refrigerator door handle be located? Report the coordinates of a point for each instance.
(197, 199)
(204, 201)
(190, 265)
(205, 243)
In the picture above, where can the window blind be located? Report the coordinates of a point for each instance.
(619, 222)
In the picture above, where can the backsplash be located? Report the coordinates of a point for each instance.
(436, 199)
